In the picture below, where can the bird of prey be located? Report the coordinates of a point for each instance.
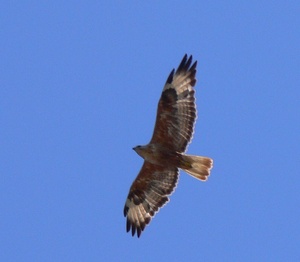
(165, 154)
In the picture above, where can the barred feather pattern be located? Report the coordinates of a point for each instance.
(176, 113)
(148, 194)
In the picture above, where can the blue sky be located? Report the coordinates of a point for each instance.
(80, 82)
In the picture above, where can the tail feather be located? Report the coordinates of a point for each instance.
(197, 166)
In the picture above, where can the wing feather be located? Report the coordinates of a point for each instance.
(176, 112)
(148, 193)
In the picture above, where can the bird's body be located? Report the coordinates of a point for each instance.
(158, 155)
(165, 154)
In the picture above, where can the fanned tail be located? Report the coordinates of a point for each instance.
(197, 166)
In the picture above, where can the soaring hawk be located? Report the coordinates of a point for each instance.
(164, 155)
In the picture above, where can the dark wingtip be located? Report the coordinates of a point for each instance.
(125, 211)
(182, 63)
(183, 66)
(186, 63)
(139, 231)
(170, 77)
(194, 65)
(128, 225)
(133, 228)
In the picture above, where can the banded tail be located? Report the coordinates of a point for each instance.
(197, 166)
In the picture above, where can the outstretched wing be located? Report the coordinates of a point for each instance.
(176, 113)
(148, 193)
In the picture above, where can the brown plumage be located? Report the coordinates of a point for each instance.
(164, 155)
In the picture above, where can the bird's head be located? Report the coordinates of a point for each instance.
(140, 150)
